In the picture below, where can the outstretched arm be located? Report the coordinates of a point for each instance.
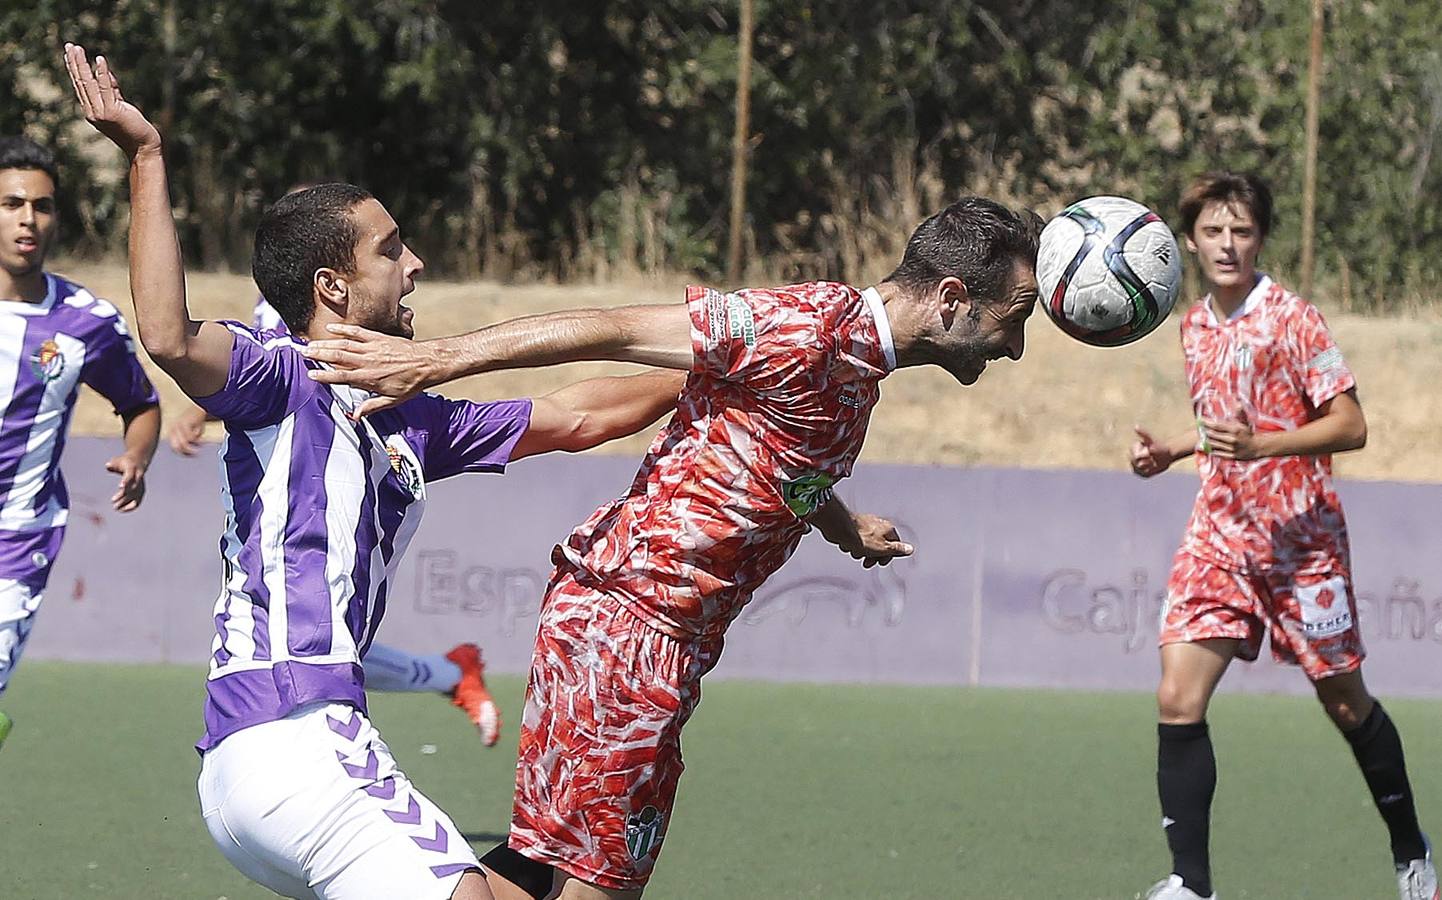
(195, 354)
(658, 335)
(589, 413)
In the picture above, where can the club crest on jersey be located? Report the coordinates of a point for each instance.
(643, 831)
(48, 362)
(404, 466)
(807, 494)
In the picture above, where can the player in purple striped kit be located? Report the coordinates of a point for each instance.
(458, 674)
(296, 787)
(54, 336)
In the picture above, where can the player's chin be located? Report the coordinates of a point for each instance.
(970, 374)
(17, 265)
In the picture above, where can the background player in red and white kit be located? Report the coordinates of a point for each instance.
(1266, 548)
(773, 414)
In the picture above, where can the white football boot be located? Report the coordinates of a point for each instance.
(1173, 889)
(1417, 880)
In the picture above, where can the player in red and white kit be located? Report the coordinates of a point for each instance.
(1266, 548)
(773, 414)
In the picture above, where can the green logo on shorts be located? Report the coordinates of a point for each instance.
(807, 494)
(643, 831)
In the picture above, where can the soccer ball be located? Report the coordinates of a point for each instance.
(1108, 270)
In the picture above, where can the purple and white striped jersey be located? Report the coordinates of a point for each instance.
(47, 350)
(319, 509)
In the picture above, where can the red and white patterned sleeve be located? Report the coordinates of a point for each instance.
(752, 336)
(1324, 373)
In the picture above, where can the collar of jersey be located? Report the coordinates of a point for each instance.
(883, 325)
(1254, 299)
(20, 307)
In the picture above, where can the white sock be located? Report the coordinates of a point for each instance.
(389, 669)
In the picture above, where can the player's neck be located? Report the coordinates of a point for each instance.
(27, 288)
(907, 323)
(1227, 300)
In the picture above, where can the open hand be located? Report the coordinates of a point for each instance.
(390, 366)
(98, 91)
(131, 489)
(875, 541)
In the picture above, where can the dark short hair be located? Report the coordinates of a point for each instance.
(1245, 188)
(301, 233)
(18, 152)
(974, 239)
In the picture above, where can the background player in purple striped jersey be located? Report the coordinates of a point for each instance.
(296, 786)
(54, 336)
(458, 674)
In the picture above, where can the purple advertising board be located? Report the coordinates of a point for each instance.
(1021, 577)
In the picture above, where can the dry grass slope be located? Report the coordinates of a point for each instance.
(1064, 405)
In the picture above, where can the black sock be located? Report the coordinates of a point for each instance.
(1186, 780)
(1378, 748)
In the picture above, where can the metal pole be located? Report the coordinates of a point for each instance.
(1309, 174)
(738, 145)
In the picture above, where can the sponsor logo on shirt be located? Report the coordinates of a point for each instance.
(807, 494)
(730, 317)
(404, 466)
(739, 321)
(48, 362)
(850, 395)
(643, 831)
(716, 315)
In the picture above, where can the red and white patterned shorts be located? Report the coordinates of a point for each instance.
(1312, 618)
(600, 753)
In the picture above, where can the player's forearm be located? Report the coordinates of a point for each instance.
(1181, 445)
(836, 523)
(157, 279)
(142, 435)
(638, 334)
(1333, 433)
(605, 409)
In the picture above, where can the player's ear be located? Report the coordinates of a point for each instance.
(1191, 244)
(951, 297)
(331, 288)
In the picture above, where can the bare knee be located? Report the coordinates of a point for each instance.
(1180, 702)
(1345, 699)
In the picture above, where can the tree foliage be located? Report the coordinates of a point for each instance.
(577, 139)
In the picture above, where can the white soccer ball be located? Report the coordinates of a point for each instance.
(1109, 270)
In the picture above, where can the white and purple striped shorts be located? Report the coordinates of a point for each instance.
(313, 806)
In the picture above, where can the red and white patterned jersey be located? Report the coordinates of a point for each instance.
(1276, 361)
(773, 414)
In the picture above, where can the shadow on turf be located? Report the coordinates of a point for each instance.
(489, 838)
